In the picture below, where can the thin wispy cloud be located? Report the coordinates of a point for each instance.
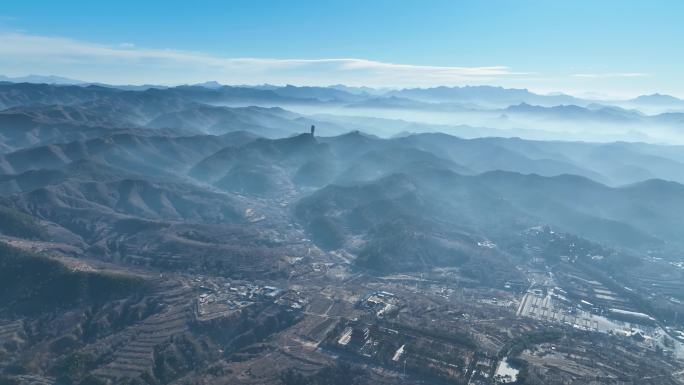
(128, 63)
(611, 75)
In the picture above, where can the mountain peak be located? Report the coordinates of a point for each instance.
(657, 98)
(209, 84)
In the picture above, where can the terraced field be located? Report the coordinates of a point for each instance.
(135, 353)
(11, 336)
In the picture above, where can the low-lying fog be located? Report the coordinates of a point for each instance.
(598, 124)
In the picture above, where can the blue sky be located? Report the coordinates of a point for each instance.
(605, 47)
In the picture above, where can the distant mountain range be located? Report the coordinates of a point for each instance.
(40, 79)
(483, 96)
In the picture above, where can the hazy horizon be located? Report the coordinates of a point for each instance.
(562, 47)
(64, 80)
